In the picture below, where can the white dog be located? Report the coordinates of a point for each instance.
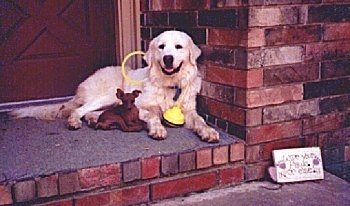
(172, 66)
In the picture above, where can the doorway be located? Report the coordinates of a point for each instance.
(48, 47)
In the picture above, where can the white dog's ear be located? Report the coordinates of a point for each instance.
(195, 52)
(148, 57)
(149, 54)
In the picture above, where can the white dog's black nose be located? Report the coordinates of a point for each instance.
(168, 61)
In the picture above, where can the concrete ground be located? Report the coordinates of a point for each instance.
(331, 191)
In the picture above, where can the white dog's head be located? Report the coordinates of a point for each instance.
(171, 51)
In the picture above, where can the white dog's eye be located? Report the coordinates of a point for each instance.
(178, 46)
(162, 46)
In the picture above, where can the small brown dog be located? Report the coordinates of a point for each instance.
(124, 117)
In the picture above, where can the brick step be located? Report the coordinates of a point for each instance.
(133, 182)
(132, 173)
(155, 189)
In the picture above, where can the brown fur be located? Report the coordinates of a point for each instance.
(124, 117)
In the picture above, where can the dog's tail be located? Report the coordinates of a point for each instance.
(45, 112)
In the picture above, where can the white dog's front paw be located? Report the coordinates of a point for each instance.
(210, 135)
(157, 131)
(74, 123)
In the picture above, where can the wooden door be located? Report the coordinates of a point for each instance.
(47, 47)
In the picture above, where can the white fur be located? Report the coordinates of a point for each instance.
(98, 91)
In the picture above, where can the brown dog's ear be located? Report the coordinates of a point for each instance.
(136, 93)
(195, 52)
(120, 94)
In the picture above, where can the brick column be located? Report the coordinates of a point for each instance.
(275, 72)
(303, 51)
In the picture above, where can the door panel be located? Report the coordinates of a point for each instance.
(48, 47)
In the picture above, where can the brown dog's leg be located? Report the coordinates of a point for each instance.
(107, 125)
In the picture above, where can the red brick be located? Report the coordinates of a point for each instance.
(237, 151)
(5, 194)
(131, 171)
(322, 123)
(156, 19)
(68, 183)
(190, 5)
(253, 117)
(47, 186)
(93, 200)
(280, 2)
(268, 96)
(231, 175)
(311, 141)
(256, 37)
(238, 78)
(327, 88)
(255, 3)
(226, 112)
(24, 191)
(275, 56)
(337, 68)
(256, 171)
(161, 5)
(231, 57)
(336, 31)
(226, 37)
(89, 177)
(291, 74)
(144, 5)
(170, 164)
(327, 50)
(293, 35)
(187, 161)
(130, 196)
(347, 153)
(218, 18)
(253, 154)
(338, 138)
(65, 202)
(204, 158)
(185, 19)
(220, 155)
(183, 186)
(334, 1)
(110, 174)
(150, 167)
(271, 132)
(291, 111)
(284, 144)
(216, 91)
(335, 13)
(332, 155)
(271, 16)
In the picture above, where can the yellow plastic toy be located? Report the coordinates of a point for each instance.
(173, 116)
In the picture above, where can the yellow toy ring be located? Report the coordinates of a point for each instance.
(128, 79)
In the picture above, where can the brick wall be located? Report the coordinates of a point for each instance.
(276, 73)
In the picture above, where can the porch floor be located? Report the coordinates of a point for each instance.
(31, 148)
